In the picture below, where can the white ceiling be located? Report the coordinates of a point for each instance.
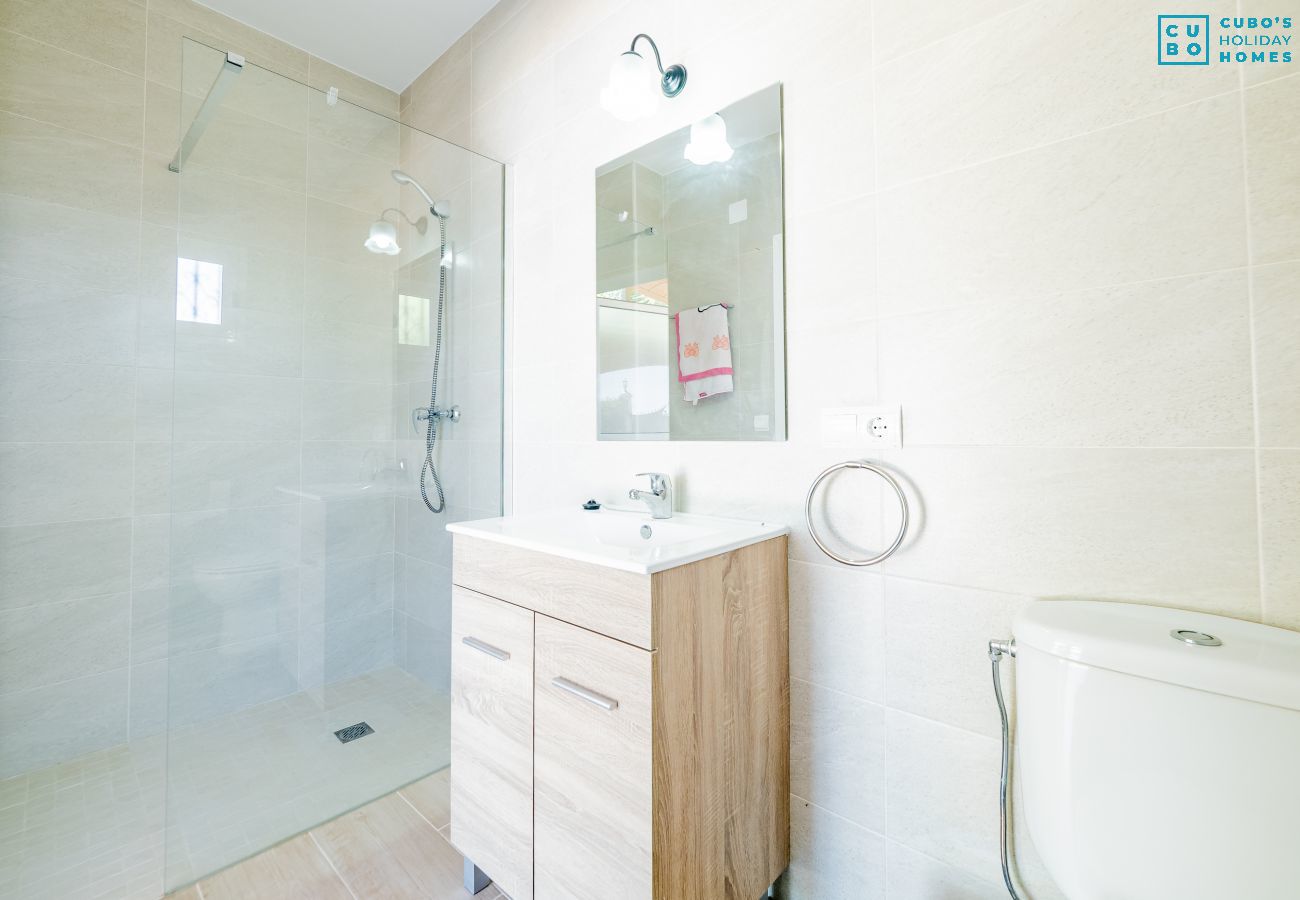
(389, 42)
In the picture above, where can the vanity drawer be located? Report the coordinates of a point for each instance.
(492, 738)
(607, 601)
(592, 766)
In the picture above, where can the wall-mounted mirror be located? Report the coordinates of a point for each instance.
(690, 284)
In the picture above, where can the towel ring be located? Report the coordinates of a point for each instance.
(889, 479)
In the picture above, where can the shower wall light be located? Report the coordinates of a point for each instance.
(634, 87)
(383, 234)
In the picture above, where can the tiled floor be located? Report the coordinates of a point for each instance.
(228, 788)
(395, 847)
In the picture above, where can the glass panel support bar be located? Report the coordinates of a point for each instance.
(225, 80)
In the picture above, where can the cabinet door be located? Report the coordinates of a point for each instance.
(492, 738)
(592, 766)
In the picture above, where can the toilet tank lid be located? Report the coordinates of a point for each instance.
(1254, 662)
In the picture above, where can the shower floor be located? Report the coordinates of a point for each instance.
(94, 827)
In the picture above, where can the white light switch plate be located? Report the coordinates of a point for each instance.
(862, 426)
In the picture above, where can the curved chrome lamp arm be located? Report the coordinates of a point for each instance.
(421, 225)
(673, 78)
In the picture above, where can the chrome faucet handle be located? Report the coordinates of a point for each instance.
(659, 482)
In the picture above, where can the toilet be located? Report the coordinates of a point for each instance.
(1158, 752)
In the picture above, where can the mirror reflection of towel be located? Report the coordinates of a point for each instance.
(704, 352)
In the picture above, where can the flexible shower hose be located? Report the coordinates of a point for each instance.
(431, 431)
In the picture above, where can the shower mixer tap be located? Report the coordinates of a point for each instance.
(425, 413)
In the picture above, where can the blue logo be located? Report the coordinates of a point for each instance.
(1183, 40)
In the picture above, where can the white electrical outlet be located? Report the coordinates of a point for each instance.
(862, 426)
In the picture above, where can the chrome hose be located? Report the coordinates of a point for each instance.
(431, 432)
(997, 650)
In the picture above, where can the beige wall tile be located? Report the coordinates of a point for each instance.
(1107, 524)
(902, 28)
(61, 88)
(109, 31)
(1273, 175)
(35, 487)
(57, 642)
(70, 168)
(1080, 369)
(1088, 212)
(936, 665)
(996, 88)
(837, 629)
(1276, 292)
(323, 75)
(837, 753)
(911, 875)
(1279, 510)
(66, 561)
(830, 856)
(68, 248)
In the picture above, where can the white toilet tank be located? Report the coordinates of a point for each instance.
(1154, 768)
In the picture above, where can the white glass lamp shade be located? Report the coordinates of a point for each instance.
(633, 89)
(709, 141)
(383, 239)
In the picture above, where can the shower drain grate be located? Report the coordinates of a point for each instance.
(352, 732)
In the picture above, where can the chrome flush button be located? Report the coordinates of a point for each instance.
(1197, 638)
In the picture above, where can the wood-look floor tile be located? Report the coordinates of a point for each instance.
(387, 850)
(294, 870)
(432, 797)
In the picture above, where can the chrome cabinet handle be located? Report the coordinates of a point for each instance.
(481, 647)
(606, 703)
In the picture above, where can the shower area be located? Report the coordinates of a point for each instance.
(225, 614)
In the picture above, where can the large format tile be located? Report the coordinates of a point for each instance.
(64, 482)
(234, 541)
(901, 28)
(232, 474)
(830, 857)
(1277, 353)
(837, 629)
(40, 402)
(1105, 524)
(936, 648)
(37, 159)
(56, 723)
(837, 753)
(294, 870)
(914, 876)
(66, 248)
(943, 786)
(387, 849)
(1279, 509)
(51, 85)
(65, 561)
(71, 323)
(1015, 227)
(995, 88)
(1080, 369)
(221, 407)
(57, 642)
(110, 31)
(1272, 147)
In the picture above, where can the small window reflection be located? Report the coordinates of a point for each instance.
(198, 291)
(413, 320)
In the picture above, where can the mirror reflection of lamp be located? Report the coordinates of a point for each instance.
(709, 141)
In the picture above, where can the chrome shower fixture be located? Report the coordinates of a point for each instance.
(437, 208)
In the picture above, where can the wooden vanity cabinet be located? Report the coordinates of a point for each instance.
(655, 724)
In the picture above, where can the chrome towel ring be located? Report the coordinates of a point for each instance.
(889, 479)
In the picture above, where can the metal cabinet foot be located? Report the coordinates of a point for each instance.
(475, 879)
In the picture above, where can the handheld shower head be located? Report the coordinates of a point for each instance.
(438, 209)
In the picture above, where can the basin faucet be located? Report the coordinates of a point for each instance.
(660, 496)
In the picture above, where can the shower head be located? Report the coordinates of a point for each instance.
(438, 209)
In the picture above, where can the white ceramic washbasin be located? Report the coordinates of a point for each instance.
(615, 538)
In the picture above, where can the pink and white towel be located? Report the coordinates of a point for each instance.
(704, 352)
